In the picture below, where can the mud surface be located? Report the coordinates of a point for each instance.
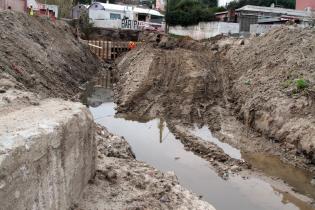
(154, 143)
(205, 82)
(121, 182)
(238, 90)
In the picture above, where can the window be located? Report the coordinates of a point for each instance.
(114, 16)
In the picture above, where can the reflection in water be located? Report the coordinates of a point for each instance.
(288, 198)
(273, 166)
(153, 143)
(206, 134)
(161, 127)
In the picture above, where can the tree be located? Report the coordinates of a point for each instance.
(187, 12)
(281, 3)
(210, 3)
(75, 2)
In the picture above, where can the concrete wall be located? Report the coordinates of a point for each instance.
(47, 155)
(205, 30)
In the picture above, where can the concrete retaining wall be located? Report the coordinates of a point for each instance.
(47, 155)
(205, 30)
(261, 28)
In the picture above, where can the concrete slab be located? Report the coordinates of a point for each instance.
(47, 155)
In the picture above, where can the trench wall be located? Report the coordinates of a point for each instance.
(47, 155)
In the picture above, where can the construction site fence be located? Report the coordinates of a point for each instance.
(108, 50)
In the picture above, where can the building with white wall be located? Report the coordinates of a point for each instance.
(78, 10)
(105, 15)
(23, 5)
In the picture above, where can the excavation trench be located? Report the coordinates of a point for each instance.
(153, 143)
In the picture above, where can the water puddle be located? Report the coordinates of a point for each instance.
(153, 143)
(206, 134)
(273, 166)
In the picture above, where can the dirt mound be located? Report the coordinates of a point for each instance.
(180, 83)
(43, 56)
(121, 182)
(275, 94)
(267, 82)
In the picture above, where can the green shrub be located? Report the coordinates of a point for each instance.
(85, 25)
(240, 3)
(301, 84)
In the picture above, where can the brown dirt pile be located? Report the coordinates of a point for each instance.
(267, 96)
(201, 82)
(121, 182)
(181, 83)
(43, 56)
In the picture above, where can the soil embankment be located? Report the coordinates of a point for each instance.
(256, 94)
(43, 56)
(265, 82)
(275, 93)
(52, 141)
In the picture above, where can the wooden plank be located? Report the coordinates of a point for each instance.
(103, 50)
(98, 49)
(107, 47)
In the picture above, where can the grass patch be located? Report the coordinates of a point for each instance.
(301, 84)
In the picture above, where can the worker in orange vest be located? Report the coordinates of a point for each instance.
(131, 45)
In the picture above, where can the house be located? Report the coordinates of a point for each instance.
(78, 10)
(226, 16)
(23, 5)
(305, 5)
(16, 5)
(105, 15)
(249, 15)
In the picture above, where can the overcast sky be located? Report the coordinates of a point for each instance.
(223, 2)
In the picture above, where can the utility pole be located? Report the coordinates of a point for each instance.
(167, 12)
(47, 13)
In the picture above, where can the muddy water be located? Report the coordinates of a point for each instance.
(206, 134)
(273, 166)
(153, 143)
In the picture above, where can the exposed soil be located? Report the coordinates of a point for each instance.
(245, 91)
(43, 56)
(40, 59)
(266, 95)
(199, 82)
(121, 182)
